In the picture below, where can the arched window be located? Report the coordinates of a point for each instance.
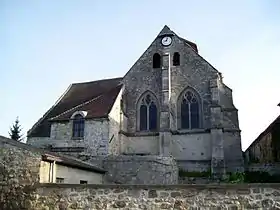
(78, 126)
(189, 110)
(148, 113)
(176, 59)
(156, 60)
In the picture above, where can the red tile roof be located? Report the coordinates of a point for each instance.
(96, 96)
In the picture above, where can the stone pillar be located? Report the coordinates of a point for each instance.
(165, 136)
(218, 160)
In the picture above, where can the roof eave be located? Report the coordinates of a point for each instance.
(61, 161)
(105, 117)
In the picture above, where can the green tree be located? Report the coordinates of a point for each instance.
(15, 131)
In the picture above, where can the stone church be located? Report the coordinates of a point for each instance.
(172, 102)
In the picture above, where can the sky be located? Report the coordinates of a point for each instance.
(47, 45)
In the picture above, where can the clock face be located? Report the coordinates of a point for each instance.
(166, 41)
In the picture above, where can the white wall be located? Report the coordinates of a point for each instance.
(74, 175)
(192, 146)
(45, 174)
(96, 136)
(114, 126)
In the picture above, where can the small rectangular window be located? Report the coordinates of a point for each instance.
(59, 180)
(83, 182)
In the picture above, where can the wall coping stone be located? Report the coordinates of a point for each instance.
(175, 186)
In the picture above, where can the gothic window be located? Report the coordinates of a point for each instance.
(189, 111)
(176, 59)
(78, 126)
(156, 60)
(148, 113)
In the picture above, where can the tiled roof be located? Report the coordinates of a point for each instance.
(271, 127)
(98, 95)
(97, 107)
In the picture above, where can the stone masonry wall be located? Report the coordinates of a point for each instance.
(141, 170)
(132, 169)
(19, 171)
(136, 197)
(271, 168)
(95, 139)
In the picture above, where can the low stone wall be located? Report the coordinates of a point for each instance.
(136, 197)
(19, 171)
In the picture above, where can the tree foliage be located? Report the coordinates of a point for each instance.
(15, 131)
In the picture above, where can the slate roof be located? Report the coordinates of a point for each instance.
(96, 96)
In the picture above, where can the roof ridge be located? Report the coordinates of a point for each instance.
(85, 103)
(266, 130)
(116, 78)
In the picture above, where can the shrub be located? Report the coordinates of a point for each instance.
(237, 177)
(261, 177)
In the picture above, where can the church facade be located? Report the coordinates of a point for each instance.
(172, 102)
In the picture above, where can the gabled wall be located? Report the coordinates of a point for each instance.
(216, 103)
(95, 139)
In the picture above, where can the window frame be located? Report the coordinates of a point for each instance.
(179, 111)
(154, 61)
(138, 115)
(83, 182)
(59, 180)
(81, 121)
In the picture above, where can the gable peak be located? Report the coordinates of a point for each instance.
(166, 31)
